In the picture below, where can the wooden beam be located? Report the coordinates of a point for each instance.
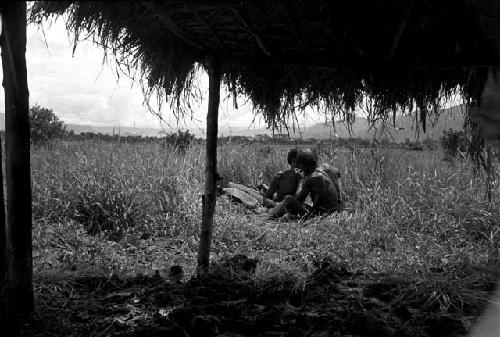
(293, 27)
(251, 31)
(18, 287)
(204, 23)
(397, 38)
(203, 5)
(209, 199)
(172, 27)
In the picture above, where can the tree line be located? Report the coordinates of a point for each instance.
(45, 127)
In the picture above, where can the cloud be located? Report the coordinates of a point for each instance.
(80, 89)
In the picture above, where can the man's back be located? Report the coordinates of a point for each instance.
(324, 191)
(284, 183)
(332, 172)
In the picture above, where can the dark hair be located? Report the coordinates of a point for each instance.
(308, 159)
(292, 155)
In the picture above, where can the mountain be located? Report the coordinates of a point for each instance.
(450, 118)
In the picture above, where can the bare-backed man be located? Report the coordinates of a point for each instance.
(283, 183)
(320, 184)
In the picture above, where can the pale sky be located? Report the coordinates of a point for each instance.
(81, 90)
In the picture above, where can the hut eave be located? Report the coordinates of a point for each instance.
(290, 54)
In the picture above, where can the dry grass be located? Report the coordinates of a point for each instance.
(411, 214)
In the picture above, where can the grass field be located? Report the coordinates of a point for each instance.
(410, 215)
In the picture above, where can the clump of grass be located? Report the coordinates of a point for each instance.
(106, 209)
(98, 188)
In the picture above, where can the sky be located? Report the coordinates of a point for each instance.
(82, 89)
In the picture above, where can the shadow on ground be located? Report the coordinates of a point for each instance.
(332, 301)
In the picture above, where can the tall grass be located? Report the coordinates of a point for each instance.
(409, 212)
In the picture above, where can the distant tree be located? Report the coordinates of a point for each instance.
(44, 125)
(180, 141)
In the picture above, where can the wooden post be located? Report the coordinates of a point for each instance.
(18, 288)
(486, 113)
(3, 247)
(210, 195)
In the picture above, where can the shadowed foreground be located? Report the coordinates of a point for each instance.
(332, 301)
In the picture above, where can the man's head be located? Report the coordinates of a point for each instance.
(306, 161)
(292, 157)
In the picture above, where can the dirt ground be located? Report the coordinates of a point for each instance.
(332, 302)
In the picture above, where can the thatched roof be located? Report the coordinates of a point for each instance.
(286, 55)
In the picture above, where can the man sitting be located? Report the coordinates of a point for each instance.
(283, 183)
(320, 183)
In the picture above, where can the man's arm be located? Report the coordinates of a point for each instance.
(305, 189)
(273, 187)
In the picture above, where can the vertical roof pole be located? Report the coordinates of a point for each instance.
(18, 287)
(210, 195)
(3, 229)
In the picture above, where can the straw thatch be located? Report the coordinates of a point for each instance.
(286, 55)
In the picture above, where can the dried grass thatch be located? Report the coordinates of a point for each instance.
(287, 55)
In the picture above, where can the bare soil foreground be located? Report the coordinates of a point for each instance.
(332, 301)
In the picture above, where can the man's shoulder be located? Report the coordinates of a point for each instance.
(314, 178)
(288, 173)
(280, 174)
(316, 175)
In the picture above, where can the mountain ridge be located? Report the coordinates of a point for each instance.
(404, 128)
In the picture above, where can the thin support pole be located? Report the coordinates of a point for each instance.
(210, 195)
(3, 229)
